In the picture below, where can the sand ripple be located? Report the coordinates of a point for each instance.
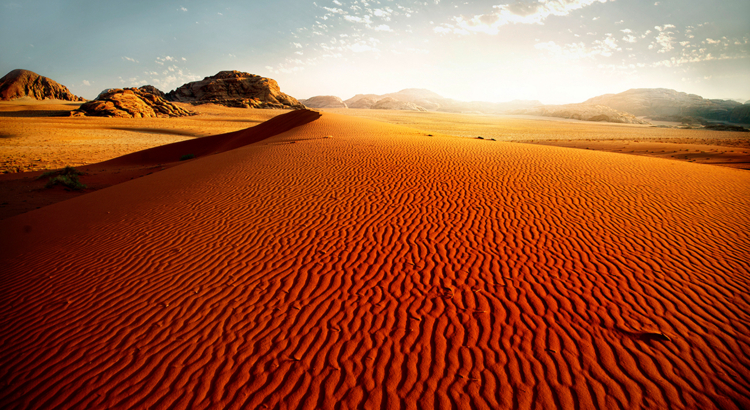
(384, 268)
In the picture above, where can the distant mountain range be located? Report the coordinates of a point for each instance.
(238, 89)
(416, 99)
(652, 103)
(665, 104)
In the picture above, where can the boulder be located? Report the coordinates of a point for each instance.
(25, 83)
(235, 89)
(129, 103)
(324, 101)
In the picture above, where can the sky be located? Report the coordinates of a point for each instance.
(554, 51)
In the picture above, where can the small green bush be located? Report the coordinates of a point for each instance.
(67, 177)
(186, 157)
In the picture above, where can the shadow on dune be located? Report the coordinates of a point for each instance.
(35, 113)
(156, 131)
(216, 143)
(26, 192)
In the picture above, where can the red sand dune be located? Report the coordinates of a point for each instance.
(384, 268)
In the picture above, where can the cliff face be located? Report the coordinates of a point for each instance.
(25, 83)
(129, 103)
(235, 89)
(660, 103)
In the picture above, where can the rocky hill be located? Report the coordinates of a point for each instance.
(363, 102)
(324, 101)
(431, 101)
(129, 103)
(665, 104)
(235, 89)
(584, 112)
(25, 83)
(390, 103)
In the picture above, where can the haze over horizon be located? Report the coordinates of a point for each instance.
(555, 51)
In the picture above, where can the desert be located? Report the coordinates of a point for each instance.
(352, 262)
(351, 204)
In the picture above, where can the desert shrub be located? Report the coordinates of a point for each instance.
(186, 157)
(67, 177)
(71, 182)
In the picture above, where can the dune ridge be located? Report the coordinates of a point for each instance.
(382, 267)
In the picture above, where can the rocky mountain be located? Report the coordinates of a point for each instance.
(324, 101)
(431, 101)
(390, 103)
(364, 102)
(584, 112)
(129, 103)
(665, 104)
(741, 114)
(235, 89)
(25, 83)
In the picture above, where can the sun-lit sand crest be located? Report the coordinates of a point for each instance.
(350, 263)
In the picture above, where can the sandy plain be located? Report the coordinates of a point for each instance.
(350, 263)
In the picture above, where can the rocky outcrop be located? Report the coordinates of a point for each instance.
(25, 83)
(584, 112)
(389, 103)
(129, 103)
(152, 90)
(662, 103)
(324, 101)
(434, 102)
(235, 89)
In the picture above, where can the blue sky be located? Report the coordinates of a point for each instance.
(556, 51)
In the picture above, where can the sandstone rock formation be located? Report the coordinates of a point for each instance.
(324, 101)
(235, 89)
(152, 90)
(662, 103)
(129, 103)
(585, 112)
(25, 83)
(390, 103)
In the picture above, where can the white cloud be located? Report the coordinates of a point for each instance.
(604, 48)
(182, 8)
(664, 40)
(129, 59)
(86, 82)
(383, 27)
(515, 13)
(297, 45)
(356, 19)
(385, 14)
